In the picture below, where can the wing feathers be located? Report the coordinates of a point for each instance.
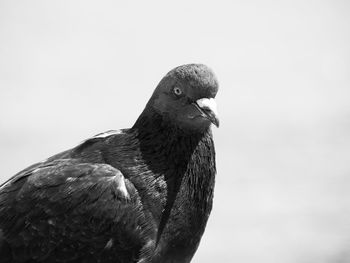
(72, 206)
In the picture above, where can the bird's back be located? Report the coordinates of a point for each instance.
(71, 209)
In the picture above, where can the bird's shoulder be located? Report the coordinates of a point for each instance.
(63, 194)
(117, 136)
(49, 206)
(68, 157)
(68, 182)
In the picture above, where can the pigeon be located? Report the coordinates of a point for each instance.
(142, 194)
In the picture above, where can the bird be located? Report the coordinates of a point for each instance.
(136, 195)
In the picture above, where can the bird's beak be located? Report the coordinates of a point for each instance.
(207, 108)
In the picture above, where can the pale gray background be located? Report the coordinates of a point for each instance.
(71, 69)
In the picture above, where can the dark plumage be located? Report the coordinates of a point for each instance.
(142, 194)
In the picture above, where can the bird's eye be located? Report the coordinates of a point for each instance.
(177, 91)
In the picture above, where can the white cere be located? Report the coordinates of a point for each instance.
(206, 103)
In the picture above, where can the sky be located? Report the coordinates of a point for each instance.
(72, 69)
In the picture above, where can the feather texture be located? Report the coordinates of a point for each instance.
(142, 194)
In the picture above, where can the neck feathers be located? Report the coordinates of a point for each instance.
(163, 139)
(187, 162)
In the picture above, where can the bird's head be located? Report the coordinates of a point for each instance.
(186, 97)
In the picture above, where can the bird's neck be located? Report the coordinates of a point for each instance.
(186, 160)
(164, 142)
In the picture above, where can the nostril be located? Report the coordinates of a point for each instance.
(199, 109)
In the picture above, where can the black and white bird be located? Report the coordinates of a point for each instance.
(141, 195)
